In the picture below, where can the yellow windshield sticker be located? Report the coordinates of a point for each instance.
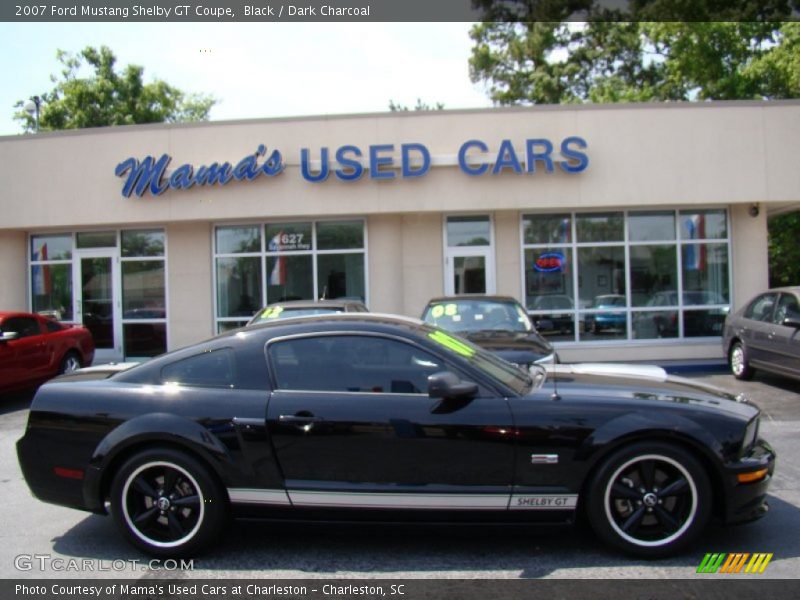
(437, 311)
(451, 309)
(452, 343)
(272, 313)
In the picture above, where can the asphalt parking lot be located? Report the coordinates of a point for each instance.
(29, 529)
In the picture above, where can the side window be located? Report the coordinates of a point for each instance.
(210, 369)
(352, 363)
(52, 326)
(787, 307)
(760, 309)
(23, 326)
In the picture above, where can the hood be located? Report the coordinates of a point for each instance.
(645, 384)
(515, 346)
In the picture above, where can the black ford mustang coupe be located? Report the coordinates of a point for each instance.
(369, 417)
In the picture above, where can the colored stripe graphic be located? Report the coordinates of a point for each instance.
(724, 563)
(711, 563)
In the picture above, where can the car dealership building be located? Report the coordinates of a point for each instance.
(628, 231)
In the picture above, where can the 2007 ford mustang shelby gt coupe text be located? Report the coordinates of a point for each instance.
(369, 417)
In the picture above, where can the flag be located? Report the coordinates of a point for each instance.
(278, 274)
(42, 281)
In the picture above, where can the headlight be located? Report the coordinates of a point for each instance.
(750, 435)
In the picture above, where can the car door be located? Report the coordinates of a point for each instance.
(24, 358)
(785, 340)
(353, 426)
(756, 327)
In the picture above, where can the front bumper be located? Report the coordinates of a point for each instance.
(748, 501)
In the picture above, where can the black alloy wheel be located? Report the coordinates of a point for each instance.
(650, 499)
(166, 503)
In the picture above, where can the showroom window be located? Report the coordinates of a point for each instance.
(120, 294)
(627, 275)
(144, 302)
(259, 264)
(51, 275)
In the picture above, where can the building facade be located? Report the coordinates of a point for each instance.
(628, 231)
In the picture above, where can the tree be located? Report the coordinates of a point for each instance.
(527, 62)
(784, 249)
(108, 97)
(420, 105)
(601, 61)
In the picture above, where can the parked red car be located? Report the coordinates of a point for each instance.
(33, 349)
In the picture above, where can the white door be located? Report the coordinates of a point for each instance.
(98, 306)
(469, 255)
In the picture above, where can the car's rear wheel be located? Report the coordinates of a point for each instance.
(70, 363)
(739, 363)
(167, 503)
(649, 499)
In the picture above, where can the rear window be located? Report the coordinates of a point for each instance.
(216, 368)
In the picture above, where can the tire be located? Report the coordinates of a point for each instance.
(627, 506)
(70, 363)
(167, 504)
(739, 363)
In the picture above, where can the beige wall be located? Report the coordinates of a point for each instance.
(13, 270)
(508, 254)
(749, 256)
(675, 155)
(386, 275)
(190, 289)
(640, 154)
(422, 261)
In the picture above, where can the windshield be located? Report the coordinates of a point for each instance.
(465, 315)
(489, 364)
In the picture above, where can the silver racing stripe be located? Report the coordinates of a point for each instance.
(395, 500)
(258, 496)
(417, 501)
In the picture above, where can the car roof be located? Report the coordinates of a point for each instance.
(315, 303)
(484, 297)
(18, 313)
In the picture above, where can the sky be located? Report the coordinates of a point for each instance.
(258, 70)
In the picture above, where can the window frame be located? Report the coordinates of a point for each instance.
(264, 254)
(447, 365)
(628, 310)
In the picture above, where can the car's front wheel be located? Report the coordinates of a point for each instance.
(739, 363)
(167, 503)
(649, 499)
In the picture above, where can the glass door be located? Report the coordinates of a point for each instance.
(97, 303)
(469, 255)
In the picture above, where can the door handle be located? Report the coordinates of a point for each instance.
(299, 419)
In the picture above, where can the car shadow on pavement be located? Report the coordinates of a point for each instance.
(327, 550)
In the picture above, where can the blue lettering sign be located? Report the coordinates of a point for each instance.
(506, 159)
(406, 150)
(355, 168)
(305, 167)
(462, 158)
(376, 161)
(150, 174)
(574, 155)
(531, 156)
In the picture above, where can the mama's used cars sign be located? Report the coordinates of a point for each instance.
(350, 163)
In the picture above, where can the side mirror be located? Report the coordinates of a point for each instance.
(7, 336)
(792, 322)
(448, 386)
